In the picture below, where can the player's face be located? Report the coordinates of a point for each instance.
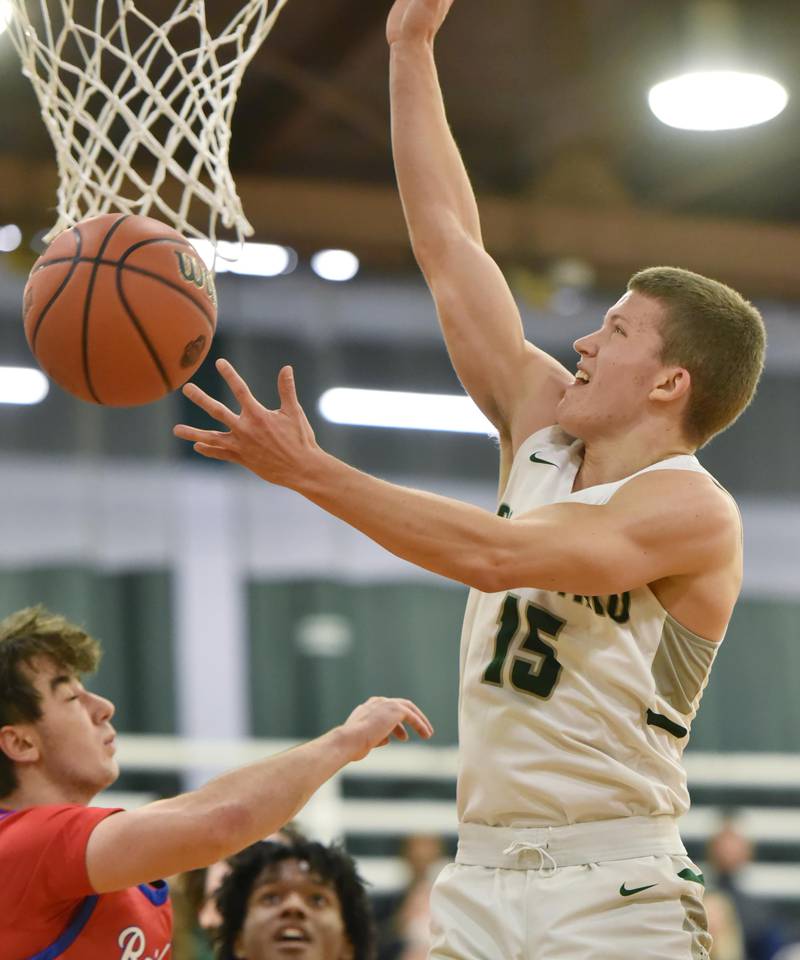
(293, 913)
(621, 360)
(75, 735)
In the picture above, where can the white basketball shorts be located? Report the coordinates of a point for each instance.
(608, 890)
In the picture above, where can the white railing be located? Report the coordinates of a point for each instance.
(330, 814)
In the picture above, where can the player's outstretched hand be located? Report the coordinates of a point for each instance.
(275, 444)
(374, 723)
(416, 19)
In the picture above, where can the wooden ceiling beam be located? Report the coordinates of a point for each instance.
(760, 259)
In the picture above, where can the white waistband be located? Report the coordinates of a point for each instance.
(525, 848)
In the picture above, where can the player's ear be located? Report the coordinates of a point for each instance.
(673, 383)
(19, 743)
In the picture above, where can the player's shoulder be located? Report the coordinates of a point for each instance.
(38, 825)
(684, 493)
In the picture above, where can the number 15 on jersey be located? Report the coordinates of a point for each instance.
(536, 674)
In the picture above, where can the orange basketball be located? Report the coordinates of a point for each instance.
(120, 310)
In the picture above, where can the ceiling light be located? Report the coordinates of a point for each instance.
(409, 411)
(22, 385)
(717, 100)
(247, 259)
(5, 14)
(10, 238)
(337, 265)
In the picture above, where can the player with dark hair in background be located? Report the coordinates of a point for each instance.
(300, 898)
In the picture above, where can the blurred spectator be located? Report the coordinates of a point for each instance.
(724, 927)
(728, 852)
(405, 918)
(299, 897)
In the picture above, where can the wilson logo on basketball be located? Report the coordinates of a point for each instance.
(194, 272)
(193, 351)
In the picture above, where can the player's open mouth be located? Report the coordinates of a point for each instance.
(581, 377)
(292, 934)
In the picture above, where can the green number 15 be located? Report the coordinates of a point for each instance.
(539, 674)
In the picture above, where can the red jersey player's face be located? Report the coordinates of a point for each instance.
(621, 361)
(76, 739)
(292, 913)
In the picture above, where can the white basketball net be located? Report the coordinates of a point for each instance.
(140, 111)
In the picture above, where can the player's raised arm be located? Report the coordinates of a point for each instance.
(516, 385)
(240, 807)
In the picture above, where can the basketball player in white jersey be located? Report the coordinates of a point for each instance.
(601, 590)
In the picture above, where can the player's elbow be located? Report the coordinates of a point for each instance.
(495, 570)
(439, 248)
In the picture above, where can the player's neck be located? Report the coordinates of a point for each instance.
(41, 793)
(605, 461)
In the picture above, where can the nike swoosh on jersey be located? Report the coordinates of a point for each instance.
(624, 892)
(536, 459)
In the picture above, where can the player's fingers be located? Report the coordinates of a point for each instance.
(287, 390)
(400, 732)
(416, 717)
(238, 387)
(184, 432)
(211, 406)
(215, 453)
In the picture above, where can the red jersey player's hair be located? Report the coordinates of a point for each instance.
(24, 636)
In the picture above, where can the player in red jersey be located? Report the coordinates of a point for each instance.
(77, 881)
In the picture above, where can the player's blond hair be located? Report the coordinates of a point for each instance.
(717, 335)
(25, 635)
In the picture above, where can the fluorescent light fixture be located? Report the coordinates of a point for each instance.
(22, 385)
(717, 100)
(247, 259)
(5, 14)
(336, 265)
(408, 411)
(10, 238)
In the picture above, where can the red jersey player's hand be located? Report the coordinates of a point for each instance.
(277, 445)
(374, 723)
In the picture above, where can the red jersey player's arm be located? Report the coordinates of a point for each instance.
(238, 808)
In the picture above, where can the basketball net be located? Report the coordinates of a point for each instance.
(141, 118)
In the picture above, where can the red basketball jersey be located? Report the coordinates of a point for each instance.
(50, 911)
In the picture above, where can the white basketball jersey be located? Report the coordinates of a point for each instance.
(573, 708)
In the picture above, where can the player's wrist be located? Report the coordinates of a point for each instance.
(349, 742)
(316, 473)
(412, 45)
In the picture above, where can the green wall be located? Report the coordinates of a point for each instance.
(405, 642)
(131, 614)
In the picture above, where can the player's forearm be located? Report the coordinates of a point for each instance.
(454, 539)
(249, 803)
(434, 187)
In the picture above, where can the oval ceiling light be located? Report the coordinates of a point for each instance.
(717, 100)
(336, 265)
(22, 385)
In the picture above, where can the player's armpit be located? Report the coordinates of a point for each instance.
(667, 523)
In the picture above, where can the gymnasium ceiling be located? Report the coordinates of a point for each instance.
(547, 100)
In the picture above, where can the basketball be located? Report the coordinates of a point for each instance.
(120, 310)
